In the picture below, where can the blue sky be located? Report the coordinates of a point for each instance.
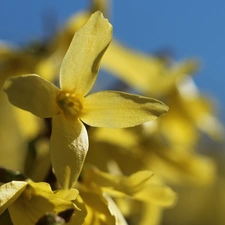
(194, 28)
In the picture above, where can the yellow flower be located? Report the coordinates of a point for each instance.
(137, 194)
(138, 186)
(16, 61)
(22, 127)
(144, 148)
(28, 201)
(70, 105)
(100, 207)
(146, 73)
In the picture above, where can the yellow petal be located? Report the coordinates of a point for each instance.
(150, 214)
(69, 195)
(120, 220)
(81, 63)
(34, 94)
(28, 124)
(118, 185)
(11, 130)
(68, 149)
(137, 186)
(135, 68)
(144, 72)
(177, 126)
(42, 192)
(9, 192)
(135, 181)
(157, 194)
(99, 209)
(119, 110)
(36, 200)
(80, 215)
(48, 68)
(202, 111)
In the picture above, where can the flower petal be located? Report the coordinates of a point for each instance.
(69, 195)
(119, 110)
(68, 149)
(144, 72)
(36, 200)
(34, 94)
(98, 207)
(138, 186)
(81, 63)
(9, 192)
(80, 215)
(135, 68)
(158, 195)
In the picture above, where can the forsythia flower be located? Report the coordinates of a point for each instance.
(138, 186)
(27, 201)
(146, 73)
(15, 60)
(184, 122)
(100, 207)
(70, 105)
(133, 194)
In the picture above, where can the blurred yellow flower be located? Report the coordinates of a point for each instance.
(22, 127)
(146, 73)
(183, 125)
(143, 147)
(16, 61)
(138, 186)
(140, 195)
(69, 105)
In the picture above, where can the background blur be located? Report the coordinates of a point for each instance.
(182, 28)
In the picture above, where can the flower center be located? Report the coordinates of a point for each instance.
(70, 103)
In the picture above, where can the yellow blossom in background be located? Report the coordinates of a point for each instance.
(128, 150)
(205, 205)
(148, 74)
(143, 147)
(69, 140)
(138, 186)
(139, 195)
(201, 115)
(22, 125)
(15, 60)
(191, 115)
(14, 150)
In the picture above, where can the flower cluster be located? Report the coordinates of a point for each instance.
(73, 155)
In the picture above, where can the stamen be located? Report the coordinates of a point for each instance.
(70, 103)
